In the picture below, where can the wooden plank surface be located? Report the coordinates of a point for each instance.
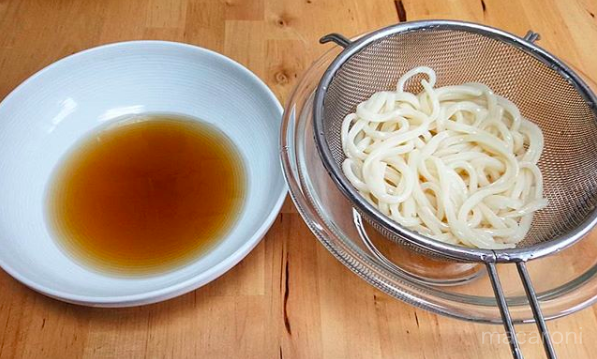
(289, 298)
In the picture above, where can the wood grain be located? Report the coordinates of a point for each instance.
(289, 298)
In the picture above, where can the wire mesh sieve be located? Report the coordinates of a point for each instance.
(545, 90)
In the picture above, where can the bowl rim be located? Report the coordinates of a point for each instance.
(199, 279)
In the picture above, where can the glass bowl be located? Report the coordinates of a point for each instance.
(565, 282)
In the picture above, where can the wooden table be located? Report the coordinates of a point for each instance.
(289, 298)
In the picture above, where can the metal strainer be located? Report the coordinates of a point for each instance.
(546, 91)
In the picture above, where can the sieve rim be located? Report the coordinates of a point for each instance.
(450, 251)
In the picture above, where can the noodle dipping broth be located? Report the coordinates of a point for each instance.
(146, 194)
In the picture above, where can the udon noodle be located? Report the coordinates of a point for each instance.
(455, 163)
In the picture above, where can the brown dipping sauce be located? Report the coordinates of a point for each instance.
(146, 194)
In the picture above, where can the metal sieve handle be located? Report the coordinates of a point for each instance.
(338, 39)
(534, 303)
(532, 36)
(505, 312)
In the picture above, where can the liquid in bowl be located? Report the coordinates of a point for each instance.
(146, 194)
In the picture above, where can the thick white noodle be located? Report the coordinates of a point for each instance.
(456, 163)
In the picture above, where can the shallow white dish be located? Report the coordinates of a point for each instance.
(43, 117)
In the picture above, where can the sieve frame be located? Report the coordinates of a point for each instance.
(441, 249)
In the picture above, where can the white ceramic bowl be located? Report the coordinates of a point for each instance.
(43, 117)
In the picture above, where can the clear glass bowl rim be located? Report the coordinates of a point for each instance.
(562, 303)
